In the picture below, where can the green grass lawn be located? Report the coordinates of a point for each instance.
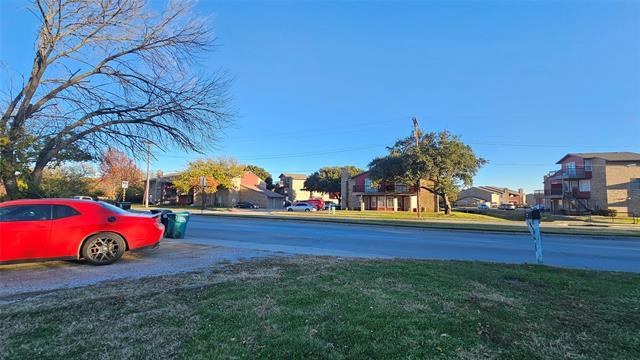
(402, 215)
(307, 307)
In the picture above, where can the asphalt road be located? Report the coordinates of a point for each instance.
(315, 238)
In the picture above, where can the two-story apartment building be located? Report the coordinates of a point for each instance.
(291, 186)
(589, 182)
(476, 195)
(359, 192)
(248, 187)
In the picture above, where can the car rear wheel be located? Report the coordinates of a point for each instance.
(103, 248)
(290, 210)
(306, 210)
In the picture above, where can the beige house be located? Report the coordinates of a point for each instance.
(477, 195)
(248, 187)
(589, 182)
(292, 187)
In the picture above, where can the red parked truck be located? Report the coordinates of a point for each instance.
(48, 229)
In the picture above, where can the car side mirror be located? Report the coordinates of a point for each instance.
(111, 219)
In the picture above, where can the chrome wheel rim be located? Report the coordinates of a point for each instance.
(103, 249)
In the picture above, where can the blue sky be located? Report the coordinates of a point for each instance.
(319, 83)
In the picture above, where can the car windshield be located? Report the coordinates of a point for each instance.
(112, 208)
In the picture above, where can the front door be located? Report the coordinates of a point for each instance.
(24, 231)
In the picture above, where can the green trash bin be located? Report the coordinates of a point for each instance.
(176, 225)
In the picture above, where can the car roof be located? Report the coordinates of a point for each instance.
(46, 201)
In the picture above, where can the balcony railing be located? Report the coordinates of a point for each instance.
(576, 173)
(576, 194)
(553, 192)
(394, 188)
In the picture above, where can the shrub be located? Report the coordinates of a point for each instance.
(608, 212)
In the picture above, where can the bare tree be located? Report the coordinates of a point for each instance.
(109, 73)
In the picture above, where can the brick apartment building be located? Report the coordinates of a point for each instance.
(359, 193)
(589, 182)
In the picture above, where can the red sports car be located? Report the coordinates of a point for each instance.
(48, 229)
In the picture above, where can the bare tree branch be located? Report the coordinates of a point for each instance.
(110, 72)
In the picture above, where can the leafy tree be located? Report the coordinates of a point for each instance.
(441, 158)
(69, 180)
(328, 179)
(116, 167)
(218, 172)
(262, 174)
(108, 74)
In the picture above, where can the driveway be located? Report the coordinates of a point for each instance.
(171, 257)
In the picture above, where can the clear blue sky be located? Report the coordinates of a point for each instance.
(320, 84)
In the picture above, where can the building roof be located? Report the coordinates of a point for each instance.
(609, 156)
(267, 193)
(294, 176)
(359, 174)
(496, 189)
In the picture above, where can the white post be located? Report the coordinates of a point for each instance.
(395, 204)
(533, 223)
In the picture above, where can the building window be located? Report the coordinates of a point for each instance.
(585, 185)
(634, 184)
(587, 164)
(381, 202)
(373, 202)
(571, 168)
(401, 187)
(368, 185)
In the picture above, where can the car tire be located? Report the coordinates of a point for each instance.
(306, 210)
(291, 210)
(103, 248)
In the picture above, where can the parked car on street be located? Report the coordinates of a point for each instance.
(317, 203)
(302, 206)
(483, 207)
(507, 206)
(329, 204)
(247, 205)
(61, 229)
(82, 197)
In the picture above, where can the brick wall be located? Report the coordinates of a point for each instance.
(618, 176)
(598, 185)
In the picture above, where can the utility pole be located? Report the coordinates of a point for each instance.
(146, 187)
(416, 135)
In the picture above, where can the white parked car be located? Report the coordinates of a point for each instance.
(301, 206)
(82, 197)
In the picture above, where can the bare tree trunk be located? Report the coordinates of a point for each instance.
(447, 204)
(418, 198)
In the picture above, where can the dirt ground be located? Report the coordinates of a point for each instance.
(173, 256)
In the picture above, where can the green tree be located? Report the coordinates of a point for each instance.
(68, 180)
(218, 172)
(262, 173)
(441, 158)
(328, 179)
